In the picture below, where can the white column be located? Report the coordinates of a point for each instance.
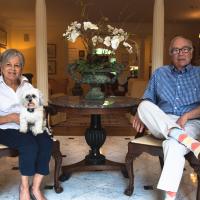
(158, 34)
(41, 48)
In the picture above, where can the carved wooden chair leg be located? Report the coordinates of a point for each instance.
(194, 163)
(196, 168)
(129, 166)
(58, 163)
(130, 156)
(161, 160)
(198, 187)
(124, 171)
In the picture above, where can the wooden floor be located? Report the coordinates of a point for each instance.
(115, 125)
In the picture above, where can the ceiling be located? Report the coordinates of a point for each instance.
(22, 12)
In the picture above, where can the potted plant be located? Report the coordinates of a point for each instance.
(97, 69)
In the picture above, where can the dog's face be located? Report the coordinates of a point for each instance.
(31, 98)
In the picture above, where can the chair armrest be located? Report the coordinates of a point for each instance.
(138, 135)
(49, 110)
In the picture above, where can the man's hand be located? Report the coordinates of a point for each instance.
(137, 123)
(193, 114)
(182, 120)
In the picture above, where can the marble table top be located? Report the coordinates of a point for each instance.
(80, 102)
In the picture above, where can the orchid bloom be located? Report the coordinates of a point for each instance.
(128, 46)
(100, 39)
(73, 36)
(93, 36)
(75, 24)
(115, 41)
(110, 28)
(115, 31)
(89, 25)
(107, 41)
(121, 31)
(94, 40)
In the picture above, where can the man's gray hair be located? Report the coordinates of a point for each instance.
(177, 37)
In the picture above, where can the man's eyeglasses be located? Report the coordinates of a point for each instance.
(175, 51)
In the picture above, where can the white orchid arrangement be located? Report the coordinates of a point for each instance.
(98, 35)
(93, 37)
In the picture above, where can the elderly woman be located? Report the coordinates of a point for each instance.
(34, 151)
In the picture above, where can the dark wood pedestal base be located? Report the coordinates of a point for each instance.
(95, 137)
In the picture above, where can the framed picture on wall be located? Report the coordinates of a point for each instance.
(3, 38)
(81, 54)
(51, 67)
(51, 50)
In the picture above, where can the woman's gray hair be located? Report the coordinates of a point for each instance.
(10, 53)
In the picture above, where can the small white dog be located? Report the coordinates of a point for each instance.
(32, 112)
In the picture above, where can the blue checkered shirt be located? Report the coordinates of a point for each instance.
(175, 92)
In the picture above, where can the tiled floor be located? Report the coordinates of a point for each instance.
(104, 185)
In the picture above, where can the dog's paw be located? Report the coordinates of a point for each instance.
(36, 131)
(48, 130)
(23, 130)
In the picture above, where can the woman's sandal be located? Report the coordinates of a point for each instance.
(31, 193)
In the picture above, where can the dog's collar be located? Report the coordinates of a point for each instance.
(30, 110)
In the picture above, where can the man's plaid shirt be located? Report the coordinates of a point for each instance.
(175, 92)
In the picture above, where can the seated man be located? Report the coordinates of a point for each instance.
(170, 110)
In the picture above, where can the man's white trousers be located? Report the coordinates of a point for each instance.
(159, 124)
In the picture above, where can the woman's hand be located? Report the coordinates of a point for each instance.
(137, 123)
(182, 120)
(14, 117)
(11, 118)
